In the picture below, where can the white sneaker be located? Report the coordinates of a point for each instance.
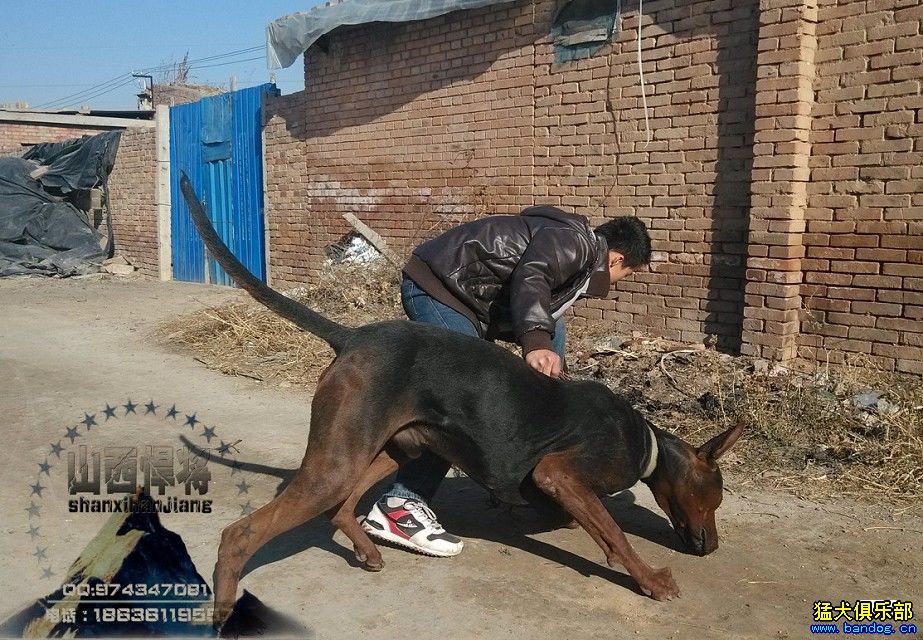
(412, 525)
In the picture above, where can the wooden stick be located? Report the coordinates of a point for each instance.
(893, 529)
(372, 236)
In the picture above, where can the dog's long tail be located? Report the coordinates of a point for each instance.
(331, 332)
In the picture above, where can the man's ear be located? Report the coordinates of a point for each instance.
(719, 445)
(616, 259)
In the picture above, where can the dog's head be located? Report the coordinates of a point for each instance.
(687, 485)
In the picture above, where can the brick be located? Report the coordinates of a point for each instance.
(855, 266)
(898, 351)
(902, 242)
(877, 308)
(855, 346)
(866, 226)
(911, 270)
(851, 319)
(851, 293)
(836, 279)
(879, 281)
(881, 255)
(909, 366)
(900, 297)
(827, 304)
(832, 330)
(854, 240)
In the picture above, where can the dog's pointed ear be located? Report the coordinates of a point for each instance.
(719, 445)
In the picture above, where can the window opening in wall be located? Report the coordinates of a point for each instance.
(581, 27)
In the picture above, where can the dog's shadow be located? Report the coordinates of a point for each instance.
(465, 509)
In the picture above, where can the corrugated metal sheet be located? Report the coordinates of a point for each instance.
(247, 186)
(186, 156)
(221, 207)
(217, 142)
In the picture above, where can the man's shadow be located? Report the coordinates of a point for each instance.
(465, 509)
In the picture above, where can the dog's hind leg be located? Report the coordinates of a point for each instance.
(558, 476)
(337, 454)
(343, 515)
(302, 500)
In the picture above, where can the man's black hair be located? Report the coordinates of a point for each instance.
(628, 236)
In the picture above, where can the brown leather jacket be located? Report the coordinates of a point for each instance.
(509, 274)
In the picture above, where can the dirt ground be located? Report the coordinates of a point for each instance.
(69, 347)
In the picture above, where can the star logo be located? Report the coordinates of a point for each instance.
(72, 434)
(35, 510)
(247, 531)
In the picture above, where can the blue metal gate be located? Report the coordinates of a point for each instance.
(217, 143)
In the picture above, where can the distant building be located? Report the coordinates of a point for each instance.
(173, 94)
(23, 128)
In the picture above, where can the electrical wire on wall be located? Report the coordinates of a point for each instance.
(647, 122)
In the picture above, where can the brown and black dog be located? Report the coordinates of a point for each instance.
(396, 387)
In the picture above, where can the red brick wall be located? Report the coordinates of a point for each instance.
(17, 137)
(290, 229)
(778, 250)
(863, 272)
(131, 188)
(413, 127)
(690, 184)
(398, 129)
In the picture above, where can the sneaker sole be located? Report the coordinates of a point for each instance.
(403, 543)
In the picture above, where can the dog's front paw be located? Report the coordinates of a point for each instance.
(660, 585)
(370, 558)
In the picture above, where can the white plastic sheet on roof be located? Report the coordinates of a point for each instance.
(290, 36)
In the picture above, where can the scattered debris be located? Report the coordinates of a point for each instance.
(118, 266)
(867, 398)
(353, 249)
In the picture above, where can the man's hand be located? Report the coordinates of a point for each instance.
(545, 361)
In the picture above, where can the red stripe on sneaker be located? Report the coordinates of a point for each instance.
(396, 529)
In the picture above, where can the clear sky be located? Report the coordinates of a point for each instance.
(51, 49)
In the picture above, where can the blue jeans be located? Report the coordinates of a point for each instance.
(420, 478)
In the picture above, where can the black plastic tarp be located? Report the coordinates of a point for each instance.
(41, 232)
(80, 163)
